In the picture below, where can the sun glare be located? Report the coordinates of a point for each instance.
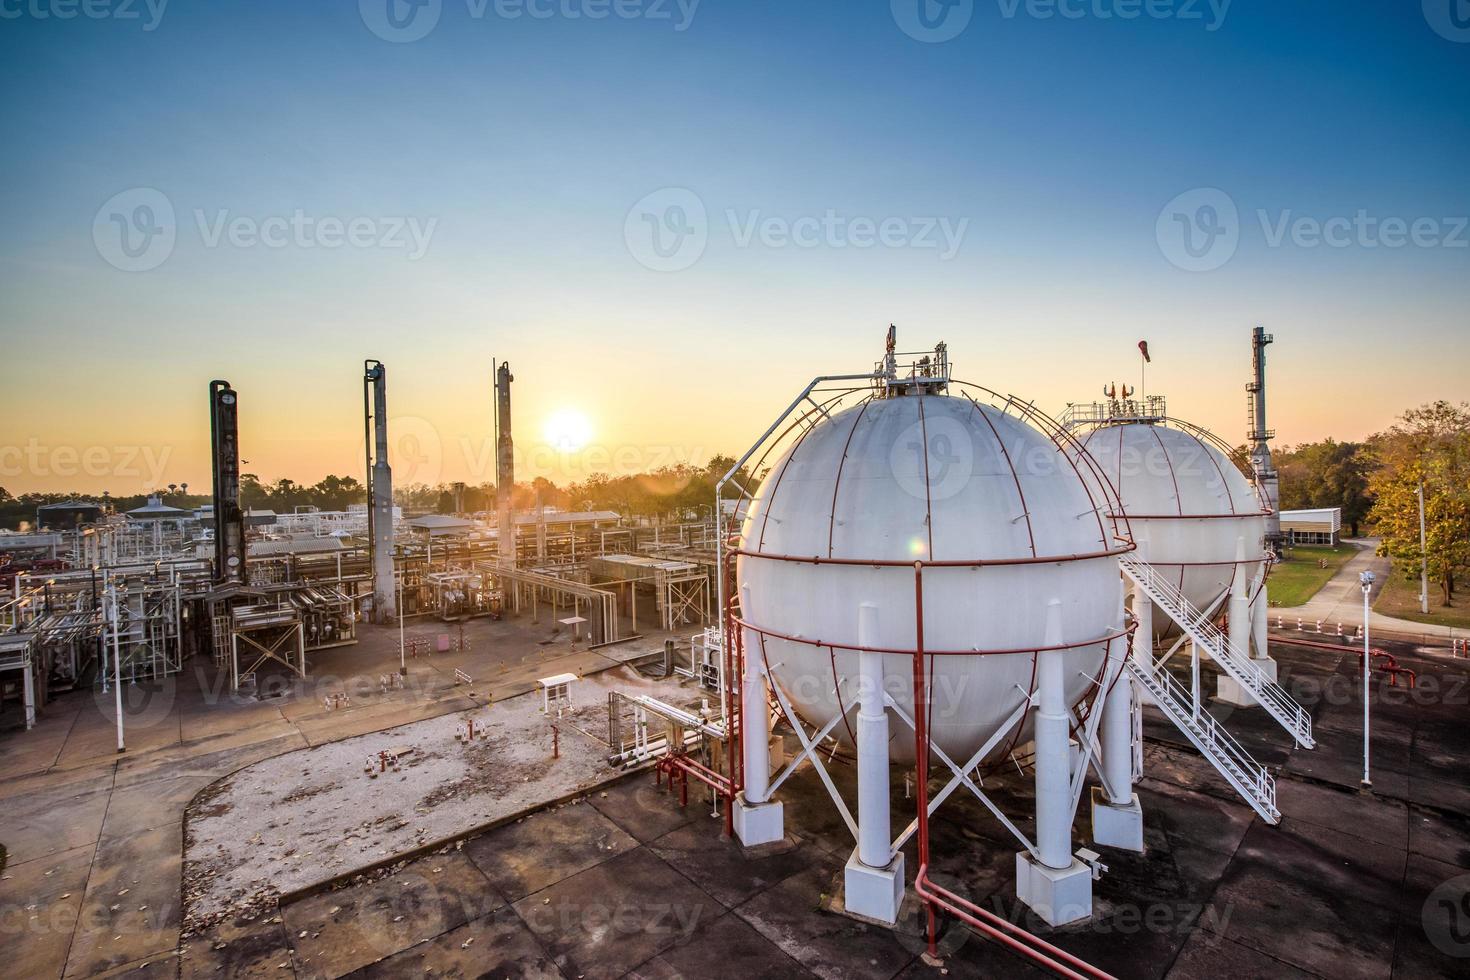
(568, 430)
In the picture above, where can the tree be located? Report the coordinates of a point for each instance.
(1327, 474)
(1431, 444)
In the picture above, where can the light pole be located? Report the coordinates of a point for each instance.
(115, 620)
(1423, 558)
(402, 662)
(1366, 578)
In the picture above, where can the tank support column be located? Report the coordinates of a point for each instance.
(873, 878)
(1244, 630)
(1117, 817)
(758, 819)
(1056, 885)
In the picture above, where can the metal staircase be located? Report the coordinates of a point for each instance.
(1250, 779)
(1271, 696)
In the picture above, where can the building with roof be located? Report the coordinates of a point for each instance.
(1319, 525)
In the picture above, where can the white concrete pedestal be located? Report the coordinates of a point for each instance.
(1117, 825)
(1058, 897)
(873, 893)
(758, 823)
(1230, 691)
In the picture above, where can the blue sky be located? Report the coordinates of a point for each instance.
(526, 149)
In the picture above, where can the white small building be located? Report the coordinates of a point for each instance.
(1321, 525)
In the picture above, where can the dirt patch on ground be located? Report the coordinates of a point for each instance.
(320, 813)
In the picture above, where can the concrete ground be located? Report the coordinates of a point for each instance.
(94, 838)
(627, 883)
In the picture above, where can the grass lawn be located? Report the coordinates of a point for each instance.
(1401, 599)
(1301, 576)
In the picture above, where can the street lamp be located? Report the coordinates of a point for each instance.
(1423, 558)
(402, 661)
(1366, 578)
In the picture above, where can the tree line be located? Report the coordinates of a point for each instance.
(1376, 483)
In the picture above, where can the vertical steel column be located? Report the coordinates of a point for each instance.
(874, 838)
(1239, 613)
(755, 728)
(1053, 759)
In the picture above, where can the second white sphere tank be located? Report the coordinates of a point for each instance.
(1187, 505)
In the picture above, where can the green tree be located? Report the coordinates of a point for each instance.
(1430, 444)
(1327, 474)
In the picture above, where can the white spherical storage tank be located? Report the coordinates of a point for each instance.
(1187, 505)
(1003, 523)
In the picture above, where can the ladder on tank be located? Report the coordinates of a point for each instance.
(1249, 778)
(1270, 695)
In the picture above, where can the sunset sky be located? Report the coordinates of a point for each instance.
(529, 188)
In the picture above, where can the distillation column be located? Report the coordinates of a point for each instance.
(229, 520)
(1056, 885)
(380, 490)
(1260, 440)
(505, 478)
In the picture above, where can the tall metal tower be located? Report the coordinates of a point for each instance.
(379, 487)
(505, 477)
(1260, 439)
(229, 520)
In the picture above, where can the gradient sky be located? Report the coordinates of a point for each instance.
(528, 141)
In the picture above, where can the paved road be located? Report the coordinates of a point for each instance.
(1341, 599)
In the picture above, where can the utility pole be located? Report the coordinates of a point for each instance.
(1423, 556)
(1366, 578)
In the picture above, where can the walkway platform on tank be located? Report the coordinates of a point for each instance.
(626, 883)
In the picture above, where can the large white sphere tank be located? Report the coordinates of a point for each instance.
(1187, 504)
(933, 478)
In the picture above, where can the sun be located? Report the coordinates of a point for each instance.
(567, 430)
